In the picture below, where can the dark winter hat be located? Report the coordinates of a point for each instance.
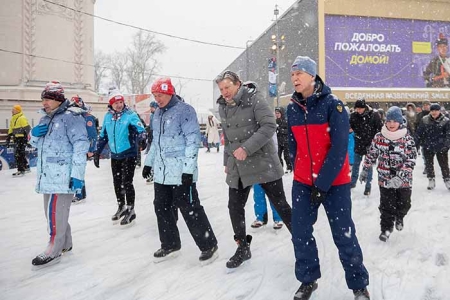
(394, 113)
(360, 103)
(442, 40)
(278, 109)
(53, 91)
(163, 86)
(426, 102)
(305, 64)
(435, 106)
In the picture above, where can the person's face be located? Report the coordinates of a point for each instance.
(162, 99)
(50, 104)
(392, 125)
(303, 83)
(118, 106)
(360, 110)
(426, 107)
(14, 111)
(228, 89)
(277, 114)
(442, 50)
(418, 109)
(435, 113)
(79, 103)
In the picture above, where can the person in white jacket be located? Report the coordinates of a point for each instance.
(212, 132)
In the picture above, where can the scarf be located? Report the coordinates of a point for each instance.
(393, 135)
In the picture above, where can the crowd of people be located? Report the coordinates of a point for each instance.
(315, 138)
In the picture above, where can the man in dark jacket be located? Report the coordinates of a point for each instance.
(437, 73)
(282, 138)
(318, 138)
(365, 123)
(434, 136)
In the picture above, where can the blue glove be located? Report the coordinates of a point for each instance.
(76, 185)
(39, 130)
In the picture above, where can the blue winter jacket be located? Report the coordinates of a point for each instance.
(351, 147)
(176, 139)
(62, 151)
(121, 131)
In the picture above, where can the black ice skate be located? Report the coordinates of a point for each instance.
(362, 294)
(164, 254)
(65, 250)
(119, 214)
(305, 291)
(208, 256)
(242, 254)
(128, 216)
(42, 260)
(399, 224)
(367, 191)
(19, 174)
(384, 235)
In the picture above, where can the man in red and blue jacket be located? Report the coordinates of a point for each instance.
(318, 127)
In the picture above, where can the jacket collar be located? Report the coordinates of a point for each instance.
(320, 90)
(243, 96)
(173, 101)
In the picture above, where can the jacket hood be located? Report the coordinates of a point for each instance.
(411, 105)
(281, 110)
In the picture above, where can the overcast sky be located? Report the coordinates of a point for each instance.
(231, 22)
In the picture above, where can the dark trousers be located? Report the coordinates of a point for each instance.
(238, 198)
(123, 173)
(338, 207)
(170, 197)
(394, 204)
(442, 158)
(20, 154)
(283, 150)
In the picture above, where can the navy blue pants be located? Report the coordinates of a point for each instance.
(338, 207)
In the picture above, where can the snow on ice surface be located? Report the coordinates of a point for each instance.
(110, 262)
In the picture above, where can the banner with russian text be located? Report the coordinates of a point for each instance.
(385, 53)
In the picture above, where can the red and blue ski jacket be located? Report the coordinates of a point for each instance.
(318, 138)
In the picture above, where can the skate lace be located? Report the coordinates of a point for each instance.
(42, 256)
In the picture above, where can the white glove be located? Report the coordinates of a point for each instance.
(394, 183)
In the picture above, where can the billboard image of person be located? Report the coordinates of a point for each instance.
(437, 72)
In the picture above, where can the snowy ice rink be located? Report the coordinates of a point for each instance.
(110, 262)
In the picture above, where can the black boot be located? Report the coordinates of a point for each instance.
(242, 253)
(305, 291)
(362, 294)
(129, 215)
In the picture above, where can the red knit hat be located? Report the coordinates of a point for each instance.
(115, 98)
(163, 86)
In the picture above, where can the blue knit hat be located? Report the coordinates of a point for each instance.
(305, 64)
(394, 113)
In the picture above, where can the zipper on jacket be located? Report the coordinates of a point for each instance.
(114, 134)
(42, 149)
(309, 148)
(161, 130)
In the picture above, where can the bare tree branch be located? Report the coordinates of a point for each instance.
(100, 68)
(118, 63)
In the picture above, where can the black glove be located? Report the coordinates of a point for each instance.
(147, 172)
(97, 160)
(317, 196)
(187, 179)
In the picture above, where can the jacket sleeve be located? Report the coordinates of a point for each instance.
(77, 135)
(291, 140)
(91, 132)
(418, 135)
(339, 127)
(103, 137)
(407, 169)
(372, 154)
(447, 134)
(23, 124)
(265, 118)
(191, 131)
(135, 121)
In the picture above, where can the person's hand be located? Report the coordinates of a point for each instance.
(147, 172)
(240, 154)
(76, 185)
(90, 154)
(187, 179)
(394, 183)
(97, 160)
(39, 130)
(363, 176)
(317, 195)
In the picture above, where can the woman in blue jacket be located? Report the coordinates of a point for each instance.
(121, 128)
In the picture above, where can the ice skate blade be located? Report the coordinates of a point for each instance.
(232, 270)
(53, 262)
(76, 202)
(149, 183)
(170, 256)
(209, 261)
(131, 224)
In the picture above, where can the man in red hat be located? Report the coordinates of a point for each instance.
(437, 73)
(173, 158)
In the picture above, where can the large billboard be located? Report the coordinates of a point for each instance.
(367, 52)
